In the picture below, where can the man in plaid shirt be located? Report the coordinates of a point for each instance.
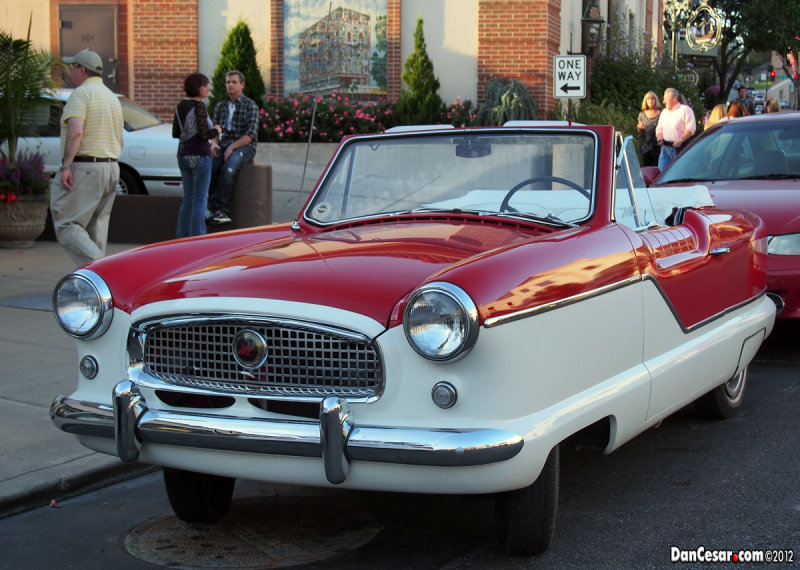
(237, 120)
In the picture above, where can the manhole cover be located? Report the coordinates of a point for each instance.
(256, 533)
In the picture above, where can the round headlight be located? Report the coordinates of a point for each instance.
(441, 322)
(82, 304)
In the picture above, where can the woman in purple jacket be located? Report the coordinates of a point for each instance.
(194, 129)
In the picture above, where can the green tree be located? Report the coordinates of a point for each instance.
(378, 62)
(419, 104)
(25, 73)
(238, 52)
(773, 25)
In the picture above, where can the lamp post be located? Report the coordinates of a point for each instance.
(592, 24)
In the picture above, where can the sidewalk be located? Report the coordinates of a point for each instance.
(38, 462)
(38, 361)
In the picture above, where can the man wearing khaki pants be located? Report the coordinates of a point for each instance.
(91, 143)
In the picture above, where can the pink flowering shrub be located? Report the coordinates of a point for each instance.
(288, 119)
(460, 114)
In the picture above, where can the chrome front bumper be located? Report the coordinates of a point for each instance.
(335, 437)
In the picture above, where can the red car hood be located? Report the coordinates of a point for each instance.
(365, 269)
(777, 202)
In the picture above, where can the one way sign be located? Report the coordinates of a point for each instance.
(569, 76)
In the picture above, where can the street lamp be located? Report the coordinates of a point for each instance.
(592, 27)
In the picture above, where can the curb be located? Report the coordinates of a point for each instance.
(68, 487)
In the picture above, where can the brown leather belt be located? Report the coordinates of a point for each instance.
(92, 159)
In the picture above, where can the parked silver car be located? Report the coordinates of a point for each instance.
(148, 164)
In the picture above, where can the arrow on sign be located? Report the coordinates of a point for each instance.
(567, 88)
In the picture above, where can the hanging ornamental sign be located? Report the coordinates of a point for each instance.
(703, 23)
(703, 28)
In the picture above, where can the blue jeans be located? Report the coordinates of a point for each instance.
(196, 175)
(666, 156)
(223, 174)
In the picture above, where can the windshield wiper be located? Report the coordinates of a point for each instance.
(772, 176)
(680, 180)
(549, 219)
(444, 211)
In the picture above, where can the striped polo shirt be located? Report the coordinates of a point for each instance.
(102, 115)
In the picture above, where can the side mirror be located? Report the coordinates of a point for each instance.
(650, 173)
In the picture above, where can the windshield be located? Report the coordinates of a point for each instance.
(546, 175)
(740, 151)
(137, 118)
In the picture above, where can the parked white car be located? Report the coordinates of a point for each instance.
(149, 163)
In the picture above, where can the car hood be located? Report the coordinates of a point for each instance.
(365, 270)
(771, 200)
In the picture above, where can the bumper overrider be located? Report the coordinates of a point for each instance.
(335, 437)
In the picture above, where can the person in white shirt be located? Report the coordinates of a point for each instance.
(676, 125)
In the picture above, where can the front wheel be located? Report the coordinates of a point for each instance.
(198, 497)
(526, 518)
(724, 401)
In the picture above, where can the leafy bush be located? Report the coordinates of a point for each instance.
(289, 119)
(506, 100)
(627, 68)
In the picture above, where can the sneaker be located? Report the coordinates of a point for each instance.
(220, 217)
(209, 215)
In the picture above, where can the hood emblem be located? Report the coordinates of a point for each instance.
(250, 349)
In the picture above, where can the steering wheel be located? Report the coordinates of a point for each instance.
(504, 207)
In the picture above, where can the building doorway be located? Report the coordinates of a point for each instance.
(92, 26)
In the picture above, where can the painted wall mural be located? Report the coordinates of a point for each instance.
(336, 46)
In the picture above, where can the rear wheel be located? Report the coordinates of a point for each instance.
(198, 497)
(724, 401)
(129, 182)
(526, 518)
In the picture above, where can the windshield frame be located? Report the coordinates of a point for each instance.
(347, 151)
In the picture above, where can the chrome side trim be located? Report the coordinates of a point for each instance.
(525, 313)
(335, 437)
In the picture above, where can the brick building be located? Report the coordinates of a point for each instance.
(153, 44)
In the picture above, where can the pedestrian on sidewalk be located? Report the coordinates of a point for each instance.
(237, 120)
(676, 125)
(83, 192)
(193, 127)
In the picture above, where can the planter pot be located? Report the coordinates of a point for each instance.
(22, 222)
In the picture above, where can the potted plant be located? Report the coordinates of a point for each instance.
(25, 73)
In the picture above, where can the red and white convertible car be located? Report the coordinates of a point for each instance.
(448, 308)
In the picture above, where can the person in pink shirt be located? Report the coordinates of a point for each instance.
(676, 125)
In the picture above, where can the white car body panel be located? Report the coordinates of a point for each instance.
(562, 394)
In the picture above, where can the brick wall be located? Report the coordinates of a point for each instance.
(165, 51)
(517, 39)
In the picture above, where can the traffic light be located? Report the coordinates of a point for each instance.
(771, 73)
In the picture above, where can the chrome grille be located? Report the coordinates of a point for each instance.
(302, 359)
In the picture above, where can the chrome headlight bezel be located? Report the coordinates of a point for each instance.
(453, 313)
(92, 312)
(785, 244)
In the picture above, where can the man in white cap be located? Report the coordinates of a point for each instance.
(91, 144)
